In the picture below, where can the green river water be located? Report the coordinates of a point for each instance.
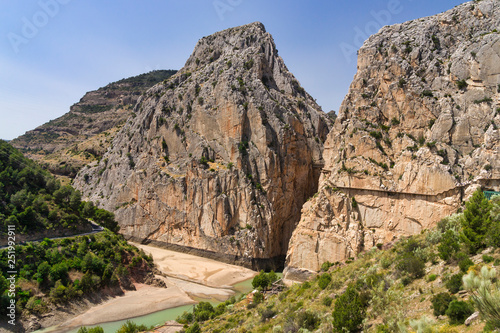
(156, 318)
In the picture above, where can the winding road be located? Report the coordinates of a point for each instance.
(96, 228)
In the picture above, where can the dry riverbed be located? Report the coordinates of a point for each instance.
(186, 276)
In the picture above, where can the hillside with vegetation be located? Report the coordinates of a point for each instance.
(55, 272)
(37, 205)
(430, 282)
(66, 144)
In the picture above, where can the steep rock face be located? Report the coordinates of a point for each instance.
(218, 159)
(83, 134)
(417, 129)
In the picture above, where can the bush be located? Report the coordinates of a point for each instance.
(261, 280)
(458, 311)
(131, 327)
(324, 280)
(267, 314)
(203, 311)
(327, 301)
(431, 277)
(461, 84)
(258, 298)
(326, 266)
(464, 264)
(308, 320)
(97, 329)
(449, 245)
(195, 328)
(411, 265)
(440, 303)
(454, 284)
(349, 311)
(487, 259)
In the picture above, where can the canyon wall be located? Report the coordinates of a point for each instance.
(415, 135)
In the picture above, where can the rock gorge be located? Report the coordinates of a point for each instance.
(218, 159)
(416, 133)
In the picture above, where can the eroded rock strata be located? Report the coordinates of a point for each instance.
(219, 159)
(417, 131)
(66, 144)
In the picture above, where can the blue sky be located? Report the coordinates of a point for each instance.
(53, 51)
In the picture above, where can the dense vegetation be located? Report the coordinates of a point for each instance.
(32, 200)
(430, 282)
(57, 271)
(128, 327)
(145, 80)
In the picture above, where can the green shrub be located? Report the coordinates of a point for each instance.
(461, 84)
(327, 301)
(267, 314)
(440, 303)
(454, 284)
(262, 280)
(195, 328)
(258, 297)
(131, 327)
(349, 311)
(487, 259)
(411, 265)
(324, 280)
(326, 266)
(305, 285)
(97, 329)
(458, 311)
(431, 277)
(308, 320)
(465, 263)
(203, 311)
(427, 93)
(449, 245)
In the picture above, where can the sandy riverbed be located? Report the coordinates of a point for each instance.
(197, 269)
(187, 276)
(146, 299)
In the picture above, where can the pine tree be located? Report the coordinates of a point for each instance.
(476, 222)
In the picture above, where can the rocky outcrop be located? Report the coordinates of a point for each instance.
(417, 128)
(218, 159)
(82, 135)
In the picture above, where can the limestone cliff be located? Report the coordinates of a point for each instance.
(82, 135)
(219, 158)
(417, 129)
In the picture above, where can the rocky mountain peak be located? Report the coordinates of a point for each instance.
(244, 40)
(220, 157)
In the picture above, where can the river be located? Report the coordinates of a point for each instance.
(199, 278)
